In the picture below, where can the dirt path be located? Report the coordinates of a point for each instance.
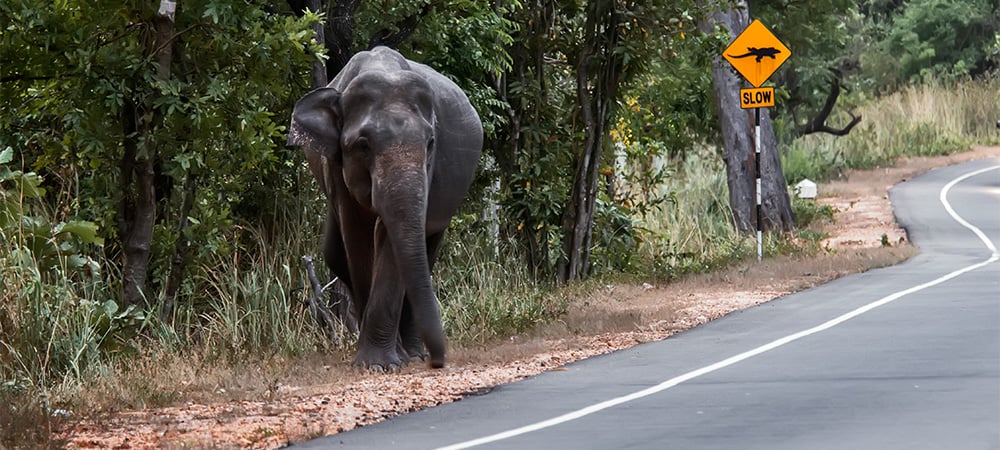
(609, 319)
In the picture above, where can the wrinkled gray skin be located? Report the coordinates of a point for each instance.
(394, 145)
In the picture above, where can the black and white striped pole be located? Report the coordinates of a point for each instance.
(756, 54)
(760, 197)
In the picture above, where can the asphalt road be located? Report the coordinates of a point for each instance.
(906, 357)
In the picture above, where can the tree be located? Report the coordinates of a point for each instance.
(824, 35)
(119, 103)
(137, 204)
(599, 68)
(571, 64)
(736, 126)
(921, 40)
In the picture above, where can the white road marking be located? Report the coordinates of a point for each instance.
(764, 348)
(947, 206)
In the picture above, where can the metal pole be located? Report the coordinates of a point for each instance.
(756, 136)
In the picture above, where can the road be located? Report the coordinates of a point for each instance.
(906, 357)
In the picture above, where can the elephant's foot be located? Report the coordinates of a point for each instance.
(413, 347)
(379, 360)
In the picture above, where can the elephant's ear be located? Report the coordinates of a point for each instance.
(316, 120)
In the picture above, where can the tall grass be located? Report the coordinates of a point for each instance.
(61, 327)
(921, 120)
(693, 231)
(255, 300)
(485, 290)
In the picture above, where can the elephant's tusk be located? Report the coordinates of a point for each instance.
(327, 179)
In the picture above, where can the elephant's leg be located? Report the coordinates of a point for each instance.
(378, 344)
(359, 248)
(433, 245)
(408, 335)
(409, 339)
(335, 256)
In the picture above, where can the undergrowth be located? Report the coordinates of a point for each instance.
(486, 293)
(693, 231)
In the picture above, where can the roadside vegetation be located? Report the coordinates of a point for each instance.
(930, 119)
(237, 211)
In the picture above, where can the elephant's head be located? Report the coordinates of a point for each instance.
(379, 134)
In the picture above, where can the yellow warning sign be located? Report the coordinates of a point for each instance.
(757, 98)
(756, 53)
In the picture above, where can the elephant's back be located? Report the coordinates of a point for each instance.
(459, 137)
(452, 106)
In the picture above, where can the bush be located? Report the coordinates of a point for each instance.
(484, 288)
(56, 314)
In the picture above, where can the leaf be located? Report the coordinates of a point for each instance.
(76, 261)
(110, 308)
(82, 229)
(7, 155)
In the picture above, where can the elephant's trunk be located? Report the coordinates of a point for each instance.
(401, 201)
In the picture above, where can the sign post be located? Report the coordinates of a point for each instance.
(756, 54)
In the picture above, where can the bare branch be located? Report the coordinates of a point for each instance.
(855, 119)
(317, 307)
(818, 124)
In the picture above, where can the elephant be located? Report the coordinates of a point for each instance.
(394, 146)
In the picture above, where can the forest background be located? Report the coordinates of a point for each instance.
(148, 203)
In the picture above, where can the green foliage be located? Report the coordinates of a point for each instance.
(540, 150)
(56, 319)
(616, 241)
(926, 40)
(468, 39)
(822, 36)
(74, 74)
(808, 212)
(800, 163)
(31, 240)
(693, 231)
(219, 118)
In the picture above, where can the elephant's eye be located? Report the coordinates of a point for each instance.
(360, 145)
(430, 144)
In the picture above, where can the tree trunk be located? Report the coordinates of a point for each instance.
(737, 128)
(182, 249)
(339, 34)
(137, 206)
(136, 211)
(318, 75)
(595, 94)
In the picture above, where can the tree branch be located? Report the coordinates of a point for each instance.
(403, 30)
(818, 124)
(9, 78)
(318, 308)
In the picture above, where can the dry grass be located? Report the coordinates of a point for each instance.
(925, 120)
